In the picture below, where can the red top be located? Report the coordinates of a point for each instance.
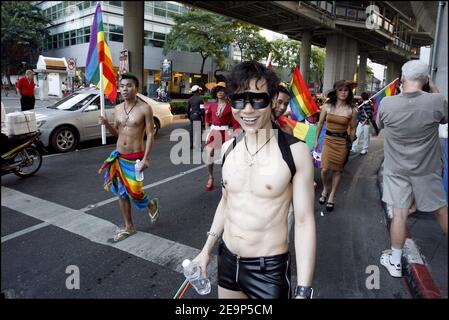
(226, 117)
(25, 88)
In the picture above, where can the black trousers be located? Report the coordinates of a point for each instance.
(27, 103)
(195, 135)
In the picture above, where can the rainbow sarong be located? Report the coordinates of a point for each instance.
(120, 177)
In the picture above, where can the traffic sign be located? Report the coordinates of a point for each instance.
(71, 63)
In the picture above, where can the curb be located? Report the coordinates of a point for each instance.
(415, 271)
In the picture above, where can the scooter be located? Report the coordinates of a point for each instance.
(24, 157)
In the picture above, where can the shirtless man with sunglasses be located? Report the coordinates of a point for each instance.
(263, 170)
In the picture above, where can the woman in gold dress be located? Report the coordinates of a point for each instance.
(341, 121)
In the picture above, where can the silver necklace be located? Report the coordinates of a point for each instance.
(129, 112)
(252, 156)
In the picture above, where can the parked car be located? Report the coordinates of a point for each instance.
(75, 118)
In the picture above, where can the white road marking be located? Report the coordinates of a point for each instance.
(158, 250)
(24, 231)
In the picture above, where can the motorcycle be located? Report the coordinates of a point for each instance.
(24, 155)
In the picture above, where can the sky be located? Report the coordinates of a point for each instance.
(378, 69)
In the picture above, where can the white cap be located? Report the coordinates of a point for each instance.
(185, 263)
(195, 88)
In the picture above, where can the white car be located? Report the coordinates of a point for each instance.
(75, 118)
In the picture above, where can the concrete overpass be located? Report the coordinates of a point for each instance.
(390, 33)
(391, 37)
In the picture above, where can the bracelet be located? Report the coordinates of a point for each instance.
(213, 234)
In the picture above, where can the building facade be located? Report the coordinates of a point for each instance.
(69, 38)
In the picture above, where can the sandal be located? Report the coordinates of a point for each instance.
(210, 184)
(322, 199)
(330, 206)
(154, 216)
(122, 235)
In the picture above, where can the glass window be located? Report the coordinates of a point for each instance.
(157, 44)
(72, 41)
(160, 12)
(60, 40)
(116, 37)
(115, 3)
(159, 4)
(173, 7)
(159, 36)
(73, 102)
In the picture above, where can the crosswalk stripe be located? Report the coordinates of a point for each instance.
(158, 250)
(24, 231)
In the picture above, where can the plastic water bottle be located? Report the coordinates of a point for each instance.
(139, 171)
(192, 271)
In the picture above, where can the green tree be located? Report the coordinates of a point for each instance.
(317, 65)
(286, 53)
(252, 45)
(200, 31)
(23, 29)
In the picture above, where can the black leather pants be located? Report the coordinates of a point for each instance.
(258, 278)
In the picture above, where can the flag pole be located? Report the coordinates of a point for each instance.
(102, 113)
(376, 94)
(269, 59)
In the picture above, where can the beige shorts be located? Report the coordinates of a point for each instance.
(428, 191)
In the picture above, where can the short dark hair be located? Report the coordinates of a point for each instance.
(364, 96)
(132, 76)
(282, 89)
(244, 72)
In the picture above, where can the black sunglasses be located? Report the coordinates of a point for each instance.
(257, 100)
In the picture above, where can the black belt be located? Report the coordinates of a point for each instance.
(337, 134)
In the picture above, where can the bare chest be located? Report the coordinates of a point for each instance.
(266, 175)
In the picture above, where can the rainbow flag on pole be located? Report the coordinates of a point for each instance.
(301, 102)
(389, 90)
(302, 131)
(99, 52)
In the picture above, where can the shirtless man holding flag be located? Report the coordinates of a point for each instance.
(133, 119)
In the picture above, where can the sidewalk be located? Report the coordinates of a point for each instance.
(425, 256)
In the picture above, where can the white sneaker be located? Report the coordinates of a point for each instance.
(394, 270)
(363, 152)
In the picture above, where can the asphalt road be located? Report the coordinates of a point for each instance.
(62, 217)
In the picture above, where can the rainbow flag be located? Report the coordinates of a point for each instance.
(99, 52)
(301, 102)
(300, 130)
(389, 90)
